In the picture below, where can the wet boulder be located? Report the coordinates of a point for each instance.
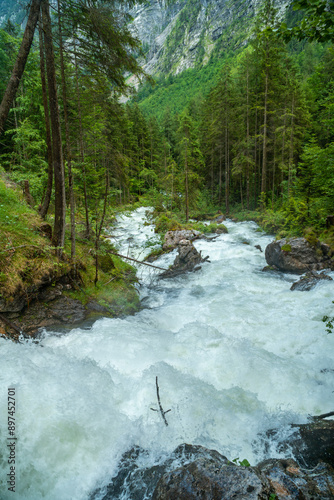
(298, 256)
(310, 444)
(290, 481)
(309, 281)
(313, 443)
(194, 472)
(209, 479)
(173, 238)
(188, 259)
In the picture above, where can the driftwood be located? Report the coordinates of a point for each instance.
(138, 261)
(162, 412)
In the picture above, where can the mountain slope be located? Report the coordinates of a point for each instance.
(13, 10)
(186, 33)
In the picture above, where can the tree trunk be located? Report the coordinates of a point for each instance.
(186, 179)
(291, 146)
(264, 155)
(57, 153)
(220, 177)
(98, 229)
(247, 135)
(67, 135)
(20, 62)
(43, 210)
(81, 145)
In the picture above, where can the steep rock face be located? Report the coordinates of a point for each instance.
(183, 34)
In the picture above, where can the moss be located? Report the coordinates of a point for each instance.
(106, 263)
(27, 261)
(164, 224)
(286, 248)
(311, 237)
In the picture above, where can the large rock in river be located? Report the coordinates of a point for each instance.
(173, 238)
(188, 259)
(297, 255)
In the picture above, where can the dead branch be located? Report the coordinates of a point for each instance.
(162, 412)
(324, 415)
(138, 261)
(112, 279)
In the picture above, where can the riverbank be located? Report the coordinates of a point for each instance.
(38, 289)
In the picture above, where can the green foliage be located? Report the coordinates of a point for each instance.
(329, 320)
(164, 224)
(242, 463)
(317, 23)
(176, 92)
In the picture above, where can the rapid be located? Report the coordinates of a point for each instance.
(235, 351)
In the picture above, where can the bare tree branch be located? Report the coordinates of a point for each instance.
(162, 412)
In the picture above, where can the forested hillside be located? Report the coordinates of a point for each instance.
(249, 130)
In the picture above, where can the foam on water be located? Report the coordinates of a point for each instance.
(236, 353)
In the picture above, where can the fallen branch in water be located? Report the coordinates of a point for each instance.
(324, 415)
(138, 261)
(162, 412)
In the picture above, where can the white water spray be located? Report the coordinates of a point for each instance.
(236, 353)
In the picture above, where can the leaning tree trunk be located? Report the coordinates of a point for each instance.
(57, 154)
(20, 63)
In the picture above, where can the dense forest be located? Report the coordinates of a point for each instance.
(259, 138)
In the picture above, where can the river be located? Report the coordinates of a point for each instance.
(235, 351)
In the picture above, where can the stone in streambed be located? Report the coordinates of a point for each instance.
(297, 255)
(210, 479)
(173, 238)
(188, 259)
(309, 281)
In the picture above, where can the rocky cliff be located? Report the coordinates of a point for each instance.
(184, 33)
(181, 34)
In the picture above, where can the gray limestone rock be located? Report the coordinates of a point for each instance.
(298, 256)
(173, 238)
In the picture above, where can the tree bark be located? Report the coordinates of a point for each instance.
(186, 181)
(20, 62)
(264, 156)
(43, 210)
(81, 144)
(67, 134)
(57, 153)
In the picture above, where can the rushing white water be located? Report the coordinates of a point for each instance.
(236, 353)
